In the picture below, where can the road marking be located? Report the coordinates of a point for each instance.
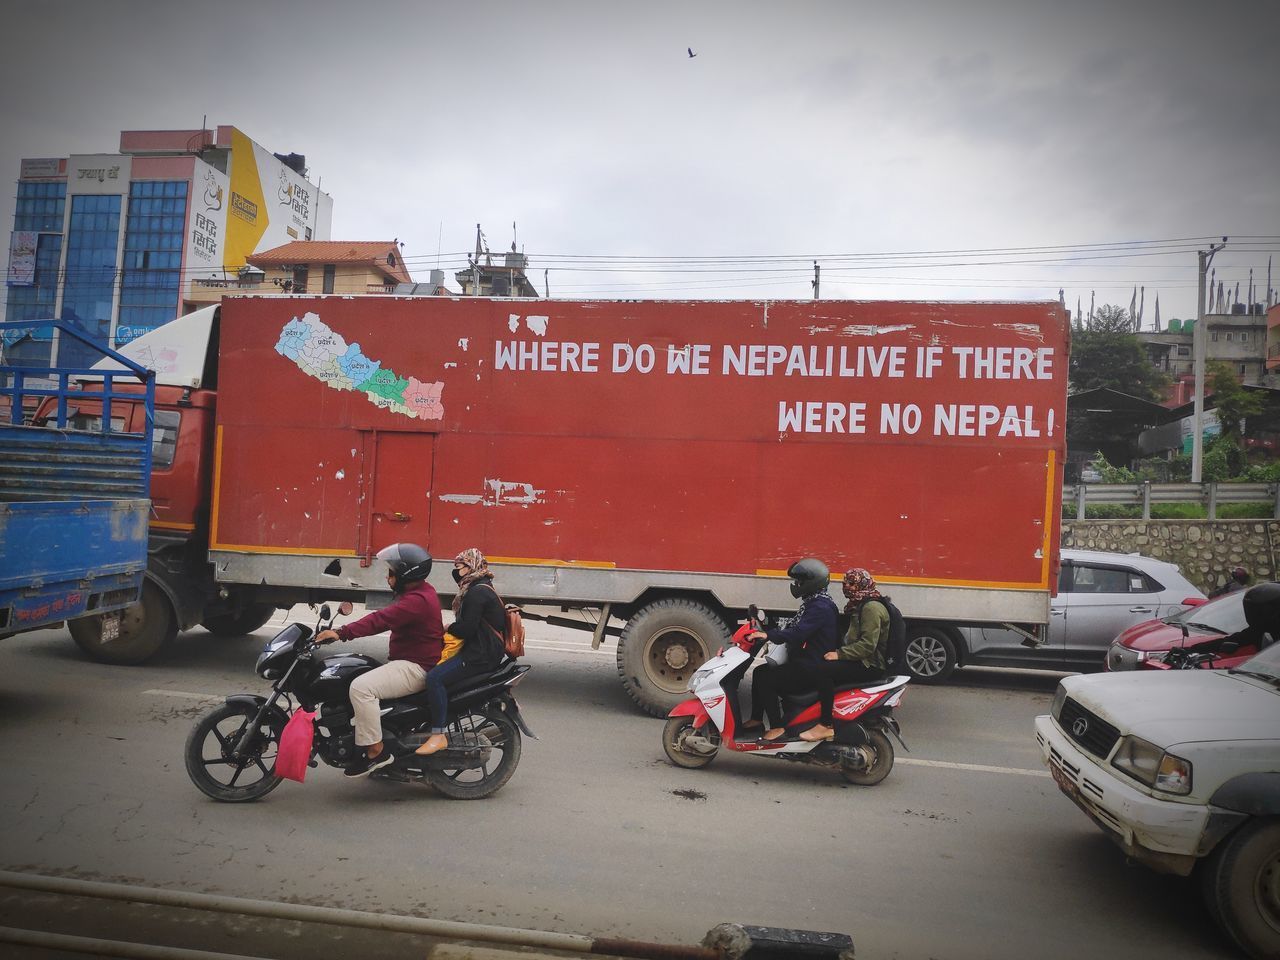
(973, 767)
(183, 695)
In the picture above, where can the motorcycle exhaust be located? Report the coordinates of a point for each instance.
(698, 744)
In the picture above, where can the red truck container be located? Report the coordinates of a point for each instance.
(656, 463)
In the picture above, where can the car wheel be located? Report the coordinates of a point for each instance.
(1241, 886)
(931, 654)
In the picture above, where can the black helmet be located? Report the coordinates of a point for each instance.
(1262, 607)
(407, 561)
(808, 576)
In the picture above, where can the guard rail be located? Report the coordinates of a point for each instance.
(1144, 494)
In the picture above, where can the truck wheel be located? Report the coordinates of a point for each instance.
(662, 646)
(1241, 886)
(931, 654)
(145, 628)
(240, 623)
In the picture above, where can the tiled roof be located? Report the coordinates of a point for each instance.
(371, 252)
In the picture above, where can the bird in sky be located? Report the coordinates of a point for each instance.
(691, 53)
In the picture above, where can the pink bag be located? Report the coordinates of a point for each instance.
(295, 746)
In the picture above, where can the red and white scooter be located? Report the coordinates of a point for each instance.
(710, 719)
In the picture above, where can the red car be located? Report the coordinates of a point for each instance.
(1145, 645)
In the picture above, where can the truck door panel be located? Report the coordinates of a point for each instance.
(396, 489)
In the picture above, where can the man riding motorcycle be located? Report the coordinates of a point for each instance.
(417, 637)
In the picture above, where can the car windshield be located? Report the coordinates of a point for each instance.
(1265, 665)
(1223, 615)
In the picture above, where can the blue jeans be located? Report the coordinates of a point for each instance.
(452, 673)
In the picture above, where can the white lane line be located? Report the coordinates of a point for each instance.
(973, 767)
(182, 694)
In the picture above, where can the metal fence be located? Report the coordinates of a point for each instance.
(1208, 495)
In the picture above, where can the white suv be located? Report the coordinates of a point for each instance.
(1181, 768)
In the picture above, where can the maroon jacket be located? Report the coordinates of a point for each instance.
(417, 630)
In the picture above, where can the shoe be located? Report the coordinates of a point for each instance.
(364, 766)
(774, 734)
(818, 732)
(434, 743)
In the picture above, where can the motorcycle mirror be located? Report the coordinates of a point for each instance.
(345, 607)
(326, 613)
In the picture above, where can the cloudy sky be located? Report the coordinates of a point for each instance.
(1010, 142)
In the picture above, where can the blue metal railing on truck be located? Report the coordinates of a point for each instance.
(73, 501)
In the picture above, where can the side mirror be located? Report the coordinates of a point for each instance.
(345, 608)
(326, 613)
(1194, 602)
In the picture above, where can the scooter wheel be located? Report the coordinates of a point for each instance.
(879, 752)
(674, 734)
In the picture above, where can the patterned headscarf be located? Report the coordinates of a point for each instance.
(859, 587)
(479, 567)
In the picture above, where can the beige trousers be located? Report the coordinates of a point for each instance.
(399, 678)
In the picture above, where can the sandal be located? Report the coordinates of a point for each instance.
(774, 734)
(815, 733)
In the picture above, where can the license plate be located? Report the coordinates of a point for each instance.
(1064, 783)
(110, 627)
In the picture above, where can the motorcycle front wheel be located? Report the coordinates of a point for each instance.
(674, 734)
(496, 737)
(210, 761)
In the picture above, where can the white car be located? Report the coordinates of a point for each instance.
(1099, 595)
(1181, 768)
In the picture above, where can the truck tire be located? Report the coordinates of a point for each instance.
(240, 623)
(661, 647)
(1241, 886)
(146, 628)
(931, 653)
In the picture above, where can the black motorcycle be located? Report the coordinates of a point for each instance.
(231, 753)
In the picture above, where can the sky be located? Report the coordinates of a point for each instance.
(916, 150)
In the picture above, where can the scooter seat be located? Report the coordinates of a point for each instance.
(798, 701)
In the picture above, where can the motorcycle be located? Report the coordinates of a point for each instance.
(231, 753)
(861, 749)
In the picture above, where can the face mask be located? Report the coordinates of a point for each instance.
(457, 575)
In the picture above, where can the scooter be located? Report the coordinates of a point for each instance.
(231, 753)
(712, 718)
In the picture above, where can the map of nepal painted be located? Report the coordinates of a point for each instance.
(323, 354)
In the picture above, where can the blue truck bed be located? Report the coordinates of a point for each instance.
(74, 505)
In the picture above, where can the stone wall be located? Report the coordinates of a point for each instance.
(1206, 550)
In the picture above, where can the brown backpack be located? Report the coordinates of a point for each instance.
(513, 629)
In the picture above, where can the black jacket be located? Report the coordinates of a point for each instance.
(480, 615)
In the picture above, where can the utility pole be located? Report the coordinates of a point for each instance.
(817, 276)
(1199, 345)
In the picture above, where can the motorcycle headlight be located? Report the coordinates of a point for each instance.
(1149, 765)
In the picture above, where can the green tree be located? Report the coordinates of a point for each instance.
(1234, 405)
(1106, 353)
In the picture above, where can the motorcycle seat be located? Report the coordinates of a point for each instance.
(504, 670)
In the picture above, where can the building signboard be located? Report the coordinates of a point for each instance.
(269, 204)
(207, 225)
(22, 257)
(35, 168)
(99, 173)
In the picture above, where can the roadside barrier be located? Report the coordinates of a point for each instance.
(724, 942)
